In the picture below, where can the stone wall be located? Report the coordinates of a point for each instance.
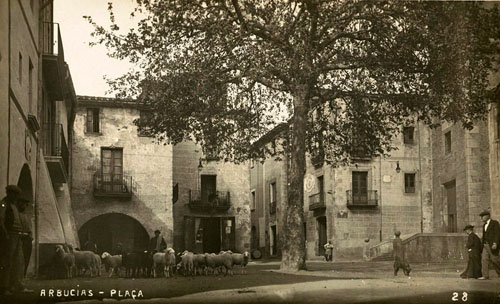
(349, 227)
(467, 165)
(229, 177)
(149, 165)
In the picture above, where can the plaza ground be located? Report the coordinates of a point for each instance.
(337, 282)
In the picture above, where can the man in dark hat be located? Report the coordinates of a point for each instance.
(11, 234)
(157, 243)
(474, 248)
(491, 241)
(13, 193)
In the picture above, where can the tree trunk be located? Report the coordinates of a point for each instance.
(293, 249)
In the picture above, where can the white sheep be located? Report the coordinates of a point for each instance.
(187, 262)
(158, 260)
(84, 260)
(68, 260)
(241, 259)
(97, 264)
(170, 262)
(112, 261)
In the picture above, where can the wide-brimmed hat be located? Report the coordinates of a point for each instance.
(484, 212)
(13, 189)
(467, 227)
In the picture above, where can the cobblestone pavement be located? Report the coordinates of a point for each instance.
(337, 282)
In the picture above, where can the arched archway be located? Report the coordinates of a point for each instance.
(107, 230)
(24, 182)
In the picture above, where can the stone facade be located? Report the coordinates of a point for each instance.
(267, 225)
(337, 217)
(461, 186)
(212, 211)
(133, 196)
(31, 146)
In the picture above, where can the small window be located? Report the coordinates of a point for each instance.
(143, 129)
(409, 182)
(93, 125)
(253, 200)
(272, 198)
(408, 135)
(447, 142)
(20, 68)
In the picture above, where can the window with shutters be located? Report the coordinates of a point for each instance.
(409, 182)
(408, 135)
(92, 121)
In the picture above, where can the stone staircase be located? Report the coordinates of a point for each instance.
(383, 257)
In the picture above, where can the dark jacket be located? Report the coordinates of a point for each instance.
(153, 241)
(492, 235)
(474, 243)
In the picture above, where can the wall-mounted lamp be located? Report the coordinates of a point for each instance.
(398, 168)
(200, 165)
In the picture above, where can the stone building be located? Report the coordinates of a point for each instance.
(268, 195)
(349, 204)
(212, 205)
(370, 199)
(122, 179)
(36, 113)
(461, 185)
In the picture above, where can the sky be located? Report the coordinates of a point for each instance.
(88, 65)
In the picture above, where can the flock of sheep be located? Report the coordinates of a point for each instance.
(146, 264)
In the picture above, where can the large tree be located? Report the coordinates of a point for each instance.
(345, 75)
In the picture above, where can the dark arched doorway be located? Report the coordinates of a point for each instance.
(107, 230)
(24, 182)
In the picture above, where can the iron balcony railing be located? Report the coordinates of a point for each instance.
(51, 40)
(112, 185)
(362, 199)
(272, 208)
(316, 201)
(218, 200)
(54, 143)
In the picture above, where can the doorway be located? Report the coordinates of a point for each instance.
(273, 242)
(208, 187)
(321, 235)
(211, 234)
(451, 199)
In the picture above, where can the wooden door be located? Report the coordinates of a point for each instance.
(208, 187)
(321, 235)
(451, 197)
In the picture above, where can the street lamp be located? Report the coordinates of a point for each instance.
(398, 169)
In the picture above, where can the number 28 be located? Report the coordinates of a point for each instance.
(456, 295)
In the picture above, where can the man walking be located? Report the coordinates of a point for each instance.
(491, 241)
(26, 232)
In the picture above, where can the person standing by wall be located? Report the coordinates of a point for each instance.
(491, 241)
(474, 249)
(11, 222)
(13, 193)
(26, 233)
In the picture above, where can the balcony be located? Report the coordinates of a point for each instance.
(112, 185)
(55, 72)
(203, 201)
(272, 208)
(317, 159)
(362, 200)
(317, 202)
(56, 152)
